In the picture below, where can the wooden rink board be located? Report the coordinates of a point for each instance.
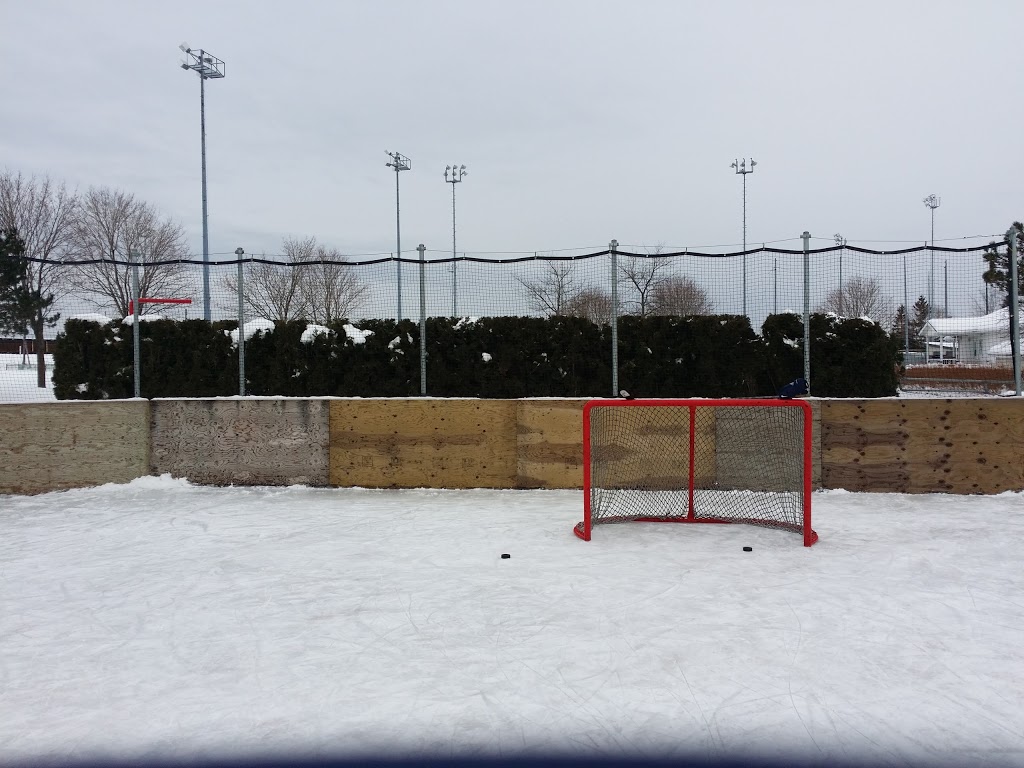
(883, 445)
(55, 446)
(549, 439)
(256, 441)
(923, 446)
(423, 443)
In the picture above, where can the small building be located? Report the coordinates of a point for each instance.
(980, 340)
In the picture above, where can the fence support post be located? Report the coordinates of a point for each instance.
(612, 247)
(807, 309)
(239, 252)
(423, 322)
(133, 257)
(906, 314)
(1014, 310)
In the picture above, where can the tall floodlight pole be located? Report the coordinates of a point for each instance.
(740, 166)
(456, 173)
(208, 67)
(932, 202)
(399, 163)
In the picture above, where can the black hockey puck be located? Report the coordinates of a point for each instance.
(748, 549)
(506, 556)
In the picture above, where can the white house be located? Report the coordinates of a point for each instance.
(982, 340)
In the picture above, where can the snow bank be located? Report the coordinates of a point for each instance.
(356, 335)
(312, 331)
(252, 327)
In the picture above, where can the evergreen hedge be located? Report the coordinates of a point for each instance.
(492, 357)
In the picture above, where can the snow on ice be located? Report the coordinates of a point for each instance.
(164, 620)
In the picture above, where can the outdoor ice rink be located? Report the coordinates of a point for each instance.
(164, 620)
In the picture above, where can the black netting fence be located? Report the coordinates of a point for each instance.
(950, 325)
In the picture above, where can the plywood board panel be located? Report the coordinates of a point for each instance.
(923, 445)
(255, 441)
(966, 446)
(54, 446)
(864, 445)
(452, 443)
(549, 438)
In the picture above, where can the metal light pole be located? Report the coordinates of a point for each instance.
(457, 172)
(741, 168)
(400, 163)
(208, 67)
(932, 202)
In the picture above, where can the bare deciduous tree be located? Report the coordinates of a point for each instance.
(553, 293)
(644, 275)
(859, 297)
(43, 213)
(300, 287)
(593, 304)
(272, 291)
(332, 290)
(680, 296)
(116, 227)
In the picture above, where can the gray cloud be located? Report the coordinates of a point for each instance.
(579, 121)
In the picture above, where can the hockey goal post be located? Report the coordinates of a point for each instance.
(698, 461)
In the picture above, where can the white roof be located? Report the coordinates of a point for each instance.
(958, 326)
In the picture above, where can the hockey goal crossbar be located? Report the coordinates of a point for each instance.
(698, 461)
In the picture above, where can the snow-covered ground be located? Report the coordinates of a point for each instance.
(18, 383)
(163, 620)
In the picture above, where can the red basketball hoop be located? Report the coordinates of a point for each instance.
(131, 303)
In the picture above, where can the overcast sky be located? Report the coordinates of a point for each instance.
(578, 121)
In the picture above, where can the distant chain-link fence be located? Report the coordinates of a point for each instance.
(952, 325)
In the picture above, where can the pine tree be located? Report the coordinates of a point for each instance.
(922, 311)
(20, 305)
(899, 322)
(997, 256)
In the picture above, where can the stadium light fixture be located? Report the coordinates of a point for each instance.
(208, 67)
(740, 166)
(400, 163)
(453, 174)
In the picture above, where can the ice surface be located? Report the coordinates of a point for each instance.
(160, 619)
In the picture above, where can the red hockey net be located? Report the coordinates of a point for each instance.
(698, 461)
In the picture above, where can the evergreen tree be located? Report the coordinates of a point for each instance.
(899, 322)
(922, 311)
(997, 256)
(20, 304)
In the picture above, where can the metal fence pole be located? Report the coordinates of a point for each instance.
(807, 309)
(423, 322)
(133, 257)
(906, 314)
(612, 246)
(239, 252)
(1014, 311)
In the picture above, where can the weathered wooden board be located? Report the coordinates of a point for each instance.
(53, 446)
(966, 446)
(255, 441)
(923, 446)
(549, 436)
(451, 443)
